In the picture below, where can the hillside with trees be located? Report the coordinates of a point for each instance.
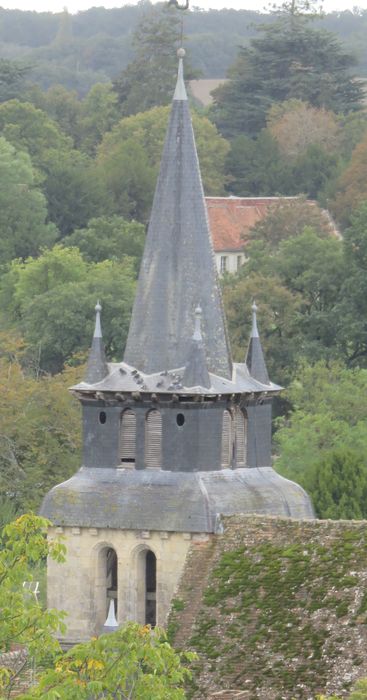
(80, 50)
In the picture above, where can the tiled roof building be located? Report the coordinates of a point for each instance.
(231, 220)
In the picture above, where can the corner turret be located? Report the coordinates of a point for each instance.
(97, 368)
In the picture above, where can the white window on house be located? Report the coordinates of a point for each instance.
(227, 440)
(127, 437)
(241, 437)
(223, 263)
(153, 439)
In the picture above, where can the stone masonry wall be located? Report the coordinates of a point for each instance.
(78, 586)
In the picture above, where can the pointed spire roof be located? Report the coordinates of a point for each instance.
(96, 366)
(196, 370)
(255, 357)
(178, 266)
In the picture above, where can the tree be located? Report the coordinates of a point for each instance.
(288, 60)
(130, 180)
(109, 238)
(325, 430)
(352, 306)
(134, 663)
(288, 219)
(338, 485)
(255, 167)
(61, 105)
(23, 210)
(23, 622)
(12, 78)
(278, 309)
(149, 80)
(40, 430)
(30, 129)
(296, 126)
(351, 187)
(99, 112)
(75, 189)
(41, 295)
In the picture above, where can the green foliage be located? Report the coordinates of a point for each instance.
(12, 78)
(23, 228)
(30, 129)
(40, 433)
(278, 312)
(255, 166)
(148, 81)
(109, 238)
(298, 295)
(129, 178)
(338, 485)
(75, 191)
(322, 443)
(22, 620)
(288, 60)
(134, 663)
(41, 295)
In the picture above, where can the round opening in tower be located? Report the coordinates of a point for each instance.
(102, 417)
(180, 419)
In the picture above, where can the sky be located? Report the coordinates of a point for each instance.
(79, 5)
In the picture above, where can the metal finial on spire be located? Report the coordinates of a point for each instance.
(254, 331)
(98, 328)
(180, 91)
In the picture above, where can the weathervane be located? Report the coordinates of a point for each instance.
(176, 4)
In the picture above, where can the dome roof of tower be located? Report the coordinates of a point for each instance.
(129, 499)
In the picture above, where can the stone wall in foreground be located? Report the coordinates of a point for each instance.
(275, 608)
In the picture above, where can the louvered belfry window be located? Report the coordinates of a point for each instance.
(241, 438)
(226, 439)
(127, 437)
(153, 439)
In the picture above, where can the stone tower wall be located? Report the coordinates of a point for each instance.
(78, 585)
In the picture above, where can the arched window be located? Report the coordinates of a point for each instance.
(227, 440)
(127, 437)
(111, 577)
(150, 589)
(241, 437)
(153, 439)
(146, 588)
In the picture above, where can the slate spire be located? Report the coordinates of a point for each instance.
(255, 357)
(178, 266)
(96, 366)
(196, 370)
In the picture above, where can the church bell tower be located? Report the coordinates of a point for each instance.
(173, 435)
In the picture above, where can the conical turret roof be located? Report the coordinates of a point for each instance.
(178, 268)
(255, 357)
(196, 370)
(97, 368)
